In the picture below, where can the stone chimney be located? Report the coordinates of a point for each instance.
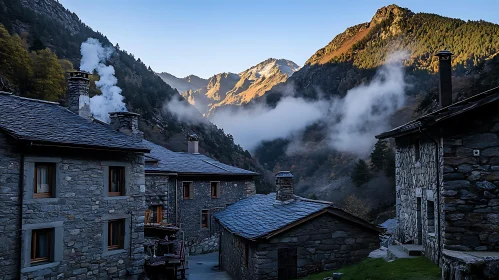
(284, 186)
(78, 100)
(127, 123)
(445, 70)
(193, 144)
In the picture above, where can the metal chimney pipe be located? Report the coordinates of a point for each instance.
(445, 70)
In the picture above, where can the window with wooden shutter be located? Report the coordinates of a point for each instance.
(41, 246)
(116, 234)
(116, 181)
(44, 180)
(215, 189)
(188, 190)
(154, 214)
(205, 218)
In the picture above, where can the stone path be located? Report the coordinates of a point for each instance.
(200, 268)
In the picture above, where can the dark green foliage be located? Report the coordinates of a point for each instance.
(360, 173)
(390, 164)
(37, 45)
(379, 155)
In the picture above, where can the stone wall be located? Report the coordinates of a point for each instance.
(323, 243)
(471, 183)
(189, 210)
(417, 179)
(81, 210)
(462, 266)
(160, 190)
(10, 209)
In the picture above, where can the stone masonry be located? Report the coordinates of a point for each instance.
(79, 213)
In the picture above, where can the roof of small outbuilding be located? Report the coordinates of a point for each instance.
(260, 216)
(179, 162)
(445, 113)
(49, 123)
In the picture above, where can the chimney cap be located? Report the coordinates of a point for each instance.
(78, 74)
(193, 137)
(284, 174)
(124, 114)
(443, 53)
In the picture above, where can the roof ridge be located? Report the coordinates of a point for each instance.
(29, 99)
(315, 200)
(211, 163)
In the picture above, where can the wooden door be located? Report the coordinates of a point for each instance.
(287, 263)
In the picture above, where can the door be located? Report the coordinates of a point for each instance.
(287, 263)
(419, 222)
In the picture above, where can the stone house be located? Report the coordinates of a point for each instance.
(283, 236)
(447, 178)
(72, 191)
(186, 189)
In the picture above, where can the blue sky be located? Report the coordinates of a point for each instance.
(206, 37)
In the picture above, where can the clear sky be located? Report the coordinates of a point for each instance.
(205, 37)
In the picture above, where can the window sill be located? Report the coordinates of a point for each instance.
(42, 200)
(39, 267)
(432, 234)
(113, 252)
(116, 197)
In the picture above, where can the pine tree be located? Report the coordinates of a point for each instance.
(48, 79)
(361, 173)
(379, 155)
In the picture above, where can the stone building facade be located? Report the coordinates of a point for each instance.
(447, 178)
(57, 211)
(276, 237)
(181, 184)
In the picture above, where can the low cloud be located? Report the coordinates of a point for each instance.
(183, 111)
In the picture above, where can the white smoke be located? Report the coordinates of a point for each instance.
(261, 123)
(365, 110)
(184, 111)
(93, 58)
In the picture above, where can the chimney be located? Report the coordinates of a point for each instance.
(78, 100)
(445, 70)
(284, 186)
(193, 144)
(127, 123)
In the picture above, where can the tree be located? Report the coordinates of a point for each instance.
(361, 173)
(37, 45)
(48, 78)
(15, 63)
(390, 164)
(379, 155)
(354, 205)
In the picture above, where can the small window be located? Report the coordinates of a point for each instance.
(204, 218)
(116, 181)
(115, 234)
(41, 246)
(188, 190)
(44, 180)
(430, 215)
(215, 189)
(154, 214)
(417, 149)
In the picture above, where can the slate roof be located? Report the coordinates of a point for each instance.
(179, 162)
(49, 123)
(259, 215)
(434, 118)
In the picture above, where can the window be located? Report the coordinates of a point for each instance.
(116, 181)
(154, 214)
(41, 246)
(430, 215)
(417, 149)
(204, 218)
(246, 254)
(215, 189)
(188, 190)
(44, 180)
(115, 234)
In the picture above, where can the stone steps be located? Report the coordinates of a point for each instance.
(413, 250)
(398, 252)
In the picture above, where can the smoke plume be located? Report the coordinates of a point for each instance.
(93, 58)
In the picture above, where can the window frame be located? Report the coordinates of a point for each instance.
(57, 246)
(34, 261)
(159, 214)
(431, 229)
(121, 234)
(51, 176)
(190, 189)
(122, 186)
(217, 189)
(246, 254)
(205, 213)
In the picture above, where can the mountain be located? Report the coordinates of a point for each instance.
(191, 82)
(35, 25)
(353, 58)
(229, 89)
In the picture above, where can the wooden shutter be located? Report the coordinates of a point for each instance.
(191, 190)
(218, 189)
(159, 215)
